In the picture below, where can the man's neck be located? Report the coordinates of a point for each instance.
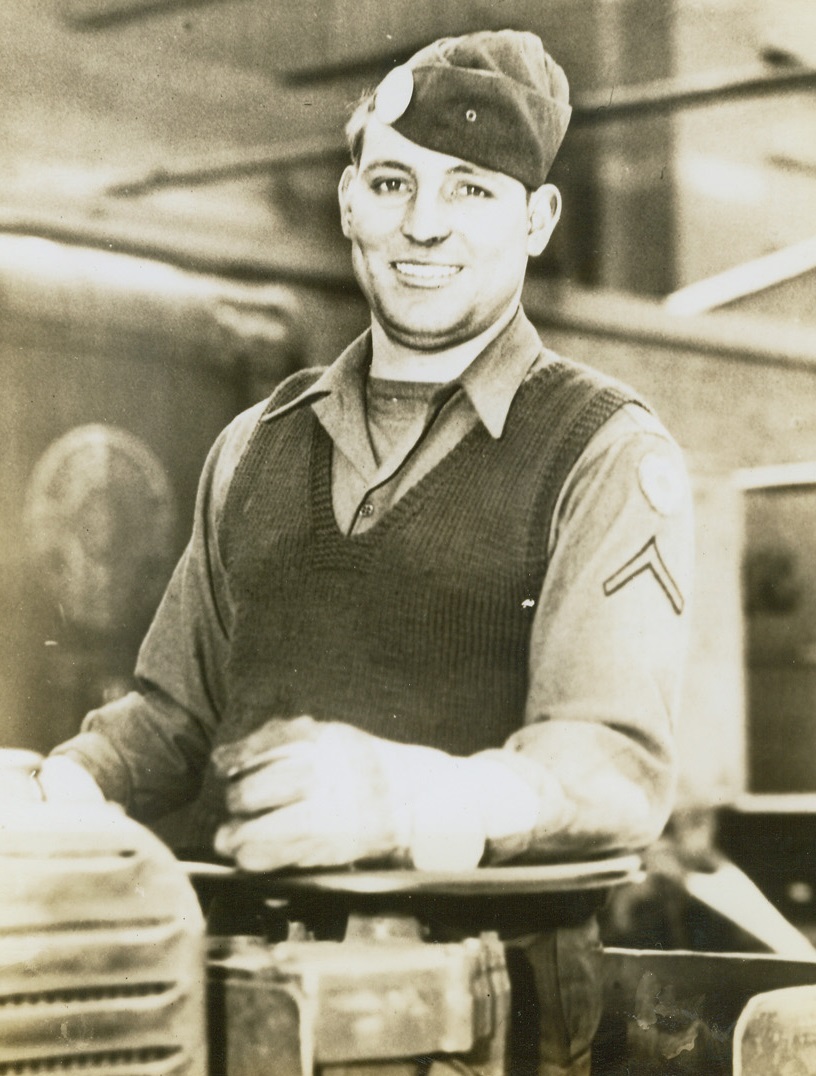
(397, 362)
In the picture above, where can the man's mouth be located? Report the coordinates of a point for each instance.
(428, 273)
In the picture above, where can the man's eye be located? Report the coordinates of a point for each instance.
(389, 185)
(472, 190)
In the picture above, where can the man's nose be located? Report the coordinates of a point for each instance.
(426, 218)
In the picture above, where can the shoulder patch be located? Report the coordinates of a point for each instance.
(662, 482)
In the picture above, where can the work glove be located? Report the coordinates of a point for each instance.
(18, 785)
(63, 780)
(27, 777)
(308, 793)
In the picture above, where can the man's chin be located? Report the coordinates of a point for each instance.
(428, 342)
(427, 335)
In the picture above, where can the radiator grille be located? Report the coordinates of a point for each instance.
(105, 1060)
(80, 995)
(101, 948)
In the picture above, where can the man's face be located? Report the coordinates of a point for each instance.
(439, 245)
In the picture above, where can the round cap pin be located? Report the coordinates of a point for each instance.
(394, 94)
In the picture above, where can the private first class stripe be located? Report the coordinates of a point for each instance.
(647, 560)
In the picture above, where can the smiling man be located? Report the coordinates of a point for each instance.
(433, 609)
(439, 245)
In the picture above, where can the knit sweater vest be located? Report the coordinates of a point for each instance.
(417, 629)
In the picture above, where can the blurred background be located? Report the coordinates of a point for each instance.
(169, 250)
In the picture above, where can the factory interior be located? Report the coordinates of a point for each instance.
(171, 250)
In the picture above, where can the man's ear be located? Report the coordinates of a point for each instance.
(543, 212)
(349, 172)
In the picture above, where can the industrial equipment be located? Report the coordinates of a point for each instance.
(380, 995)
(101, 942)
(422, 980)
(104, 966)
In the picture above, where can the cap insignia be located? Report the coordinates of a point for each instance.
(394, 94)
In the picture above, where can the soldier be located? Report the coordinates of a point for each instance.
(433, 609)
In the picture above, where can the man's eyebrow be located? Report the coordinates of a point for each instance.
(399, 166)
(470, 170)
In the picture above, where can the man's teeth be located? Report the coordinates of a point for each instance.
(427, 272)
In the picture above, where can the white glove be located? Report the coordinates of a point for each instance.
(63, 780)
(308, 793)
(18, 784)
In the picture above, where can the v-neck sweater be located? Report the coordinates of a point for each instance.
(418, 628)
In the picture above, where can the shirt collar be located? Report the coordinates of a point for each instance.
(490, 382)
(342, 382)
(494, 377)
(338, 401)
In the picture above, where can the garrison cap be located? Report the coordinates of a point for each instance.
(495, 98)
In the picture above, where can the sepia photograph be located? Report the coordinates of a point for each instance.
(408, 537)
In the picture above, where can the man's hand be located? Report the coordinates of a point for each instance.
(308, 793)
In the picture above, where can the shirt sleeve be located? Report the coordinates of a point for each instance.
(148, 750)
(608, 646)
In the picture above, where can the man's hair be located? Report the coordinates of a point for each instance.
(356, 124)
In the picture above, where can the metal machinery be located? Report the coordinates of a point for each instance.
(101, 942)
(380, 997)
(103, 962)
(422, 985)
(420, 982)
(104, 967)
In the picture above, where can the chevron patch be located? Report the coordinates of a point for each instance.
(647, 560)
